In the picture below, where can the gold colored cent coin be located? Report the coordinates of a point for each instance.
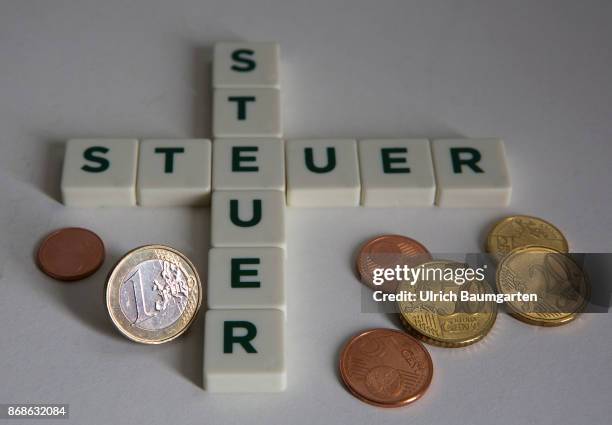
(438, 315)
(561, 286)
(153, 294)
(520, 231)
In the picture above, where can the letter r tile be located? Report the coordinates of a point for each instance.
(471, 173)
(244, 351)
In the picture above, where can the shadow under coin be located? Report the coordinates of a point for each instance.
(86, 300)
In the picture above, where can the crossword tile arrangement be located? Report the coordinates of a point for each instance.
(245, 327)
(248, 176)
(310, 173)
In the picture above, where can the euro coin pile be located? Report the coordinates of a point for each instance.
(530, 256)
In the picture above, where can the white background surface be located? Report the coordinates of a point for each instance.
(536, 73)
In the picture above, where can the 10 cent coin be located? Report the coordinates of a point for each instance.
(520, 231)
(438, 315)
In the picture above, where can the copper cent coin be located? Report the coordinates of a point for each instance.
(389, 251)
(386, 367)
(70, 254)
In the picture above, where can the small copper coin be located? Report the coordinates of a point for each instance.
(70, 254)
(389, 251)
(386, 367)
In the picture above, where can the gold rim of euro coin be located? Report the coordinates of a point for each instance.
(521, 231)
(153, 294)
(562, 287)
(447, 323)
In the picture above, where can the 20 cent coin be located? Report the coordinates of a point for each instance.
(559, 283)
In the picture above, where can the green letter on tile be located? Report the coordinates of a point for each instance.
(102, 162)
(229, 339)
(253, 221)
(238, 159)
(388, 160)
(241, 102)
(243, 57)
(238, 272)
(331, 161)
(169, 157)
(471, 161)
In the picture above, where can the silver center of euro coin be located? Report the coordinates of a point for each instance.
(154, 294)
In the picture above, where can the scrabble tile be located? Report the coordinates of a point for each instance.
(396, 173)
(244, 351)
(246, 65)
(471, 173)
(249, 278)
(322, 173)
(100, 173)
(249, 112)
(248, 218)
(249, 164)
(174, 173)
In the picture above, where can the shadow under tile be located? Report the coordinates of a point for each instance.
(52, 165)
(201, 91)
